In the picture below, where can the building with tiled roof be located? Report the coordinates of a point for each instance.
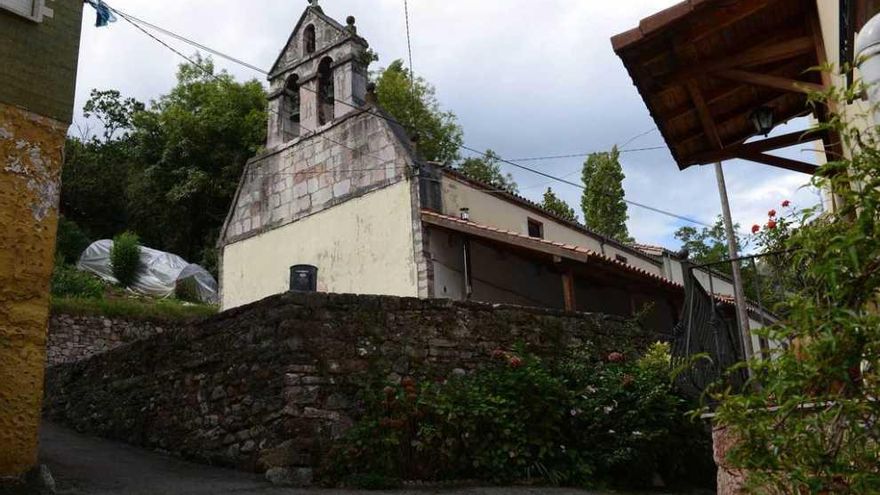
(340, 197)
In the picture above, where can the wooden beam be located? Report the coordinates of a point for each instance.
(773, 102)
(759, 55)
(833, 143)
(721, 93)
(774, 143)
(705, 114)
(717, 18)
(778, 161)
(568, 291)
(767, 80)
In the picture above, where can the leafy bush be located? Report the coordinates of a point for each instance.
(70, 241)
(125, 258)
(583, 421)
(187, 290)
(67, 281)
(811, 426)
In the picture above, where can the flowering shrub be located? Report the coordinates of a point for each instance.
(811, 426)
(583, 421)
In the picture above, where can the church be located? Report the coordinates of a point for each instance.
(340, 188)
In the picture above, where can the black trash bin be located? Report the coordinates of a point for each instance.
(303, 278)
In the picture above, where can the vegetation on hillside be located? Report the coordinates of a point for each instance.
(584, 420)
(167, 170)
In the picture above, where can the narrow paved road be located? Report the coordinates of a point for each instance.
(86, 465)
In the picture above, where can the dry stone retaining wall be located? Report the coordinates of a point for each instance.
(266, 386)
(72, 338)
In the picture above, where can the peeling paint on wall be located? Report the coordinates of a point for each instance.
(31, 150)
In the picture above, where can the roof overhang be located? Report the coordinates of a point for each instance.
(703, 66)
(584, 261)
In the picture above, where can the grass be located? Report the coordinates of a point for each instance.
(159, 310)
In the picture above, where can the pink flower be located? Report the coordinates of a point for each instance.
(515, 362)
(786, 203)
(756, 228)
(616, 357)
(771, 213)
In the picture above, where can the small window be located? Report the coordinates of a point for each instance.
(536, 229)
(309, 39)
(621, 258)
(32, 9)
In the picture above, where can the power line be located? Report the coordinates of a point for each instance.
(578, 155)
(412, 70)
(581, 186)
(649, 131)
(134, 22)
(196, 44)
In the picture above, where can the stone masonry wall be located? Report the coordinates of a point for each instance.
(355, 155)
(265, 387)
(74, 338)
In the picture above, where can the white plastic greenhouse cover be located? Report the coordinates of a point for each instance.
(161, 271)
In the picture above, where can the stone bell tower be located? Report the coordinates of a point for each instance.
(319, 76)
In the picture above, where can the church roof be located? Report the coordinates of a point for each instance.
(319, 13)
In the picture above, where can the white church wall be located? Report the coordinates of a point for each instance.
(362, 246)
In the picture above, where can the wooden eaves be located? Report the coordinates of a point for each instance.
(703, 66)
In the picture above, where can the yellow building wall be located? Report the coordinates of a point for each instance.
(362, 246)
(31, 150)
(491, 210)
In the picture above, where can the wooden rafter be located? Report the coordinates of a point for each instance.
(781, 162)
(724, 16)
(705, 114)
(760, 55)
(740, 116)
(769, 81)
(721, 94)
(769, 144)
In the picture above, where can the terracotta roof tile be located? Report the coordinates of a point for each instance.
(569, 247)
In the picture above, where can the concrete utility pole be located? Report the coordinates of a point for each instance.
(742, 310)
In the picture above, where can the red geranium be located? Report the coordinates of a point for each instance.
(515, 362)
(771, 224)
(756, 228)
(771, 213)
(786, 203)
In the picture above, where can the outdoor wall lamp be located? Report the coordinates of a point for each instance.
(464, 214)
(762, 119)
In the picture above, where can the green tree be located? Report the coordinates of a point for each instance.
(168, 171)
(487, 169)
(707, 245)
(559, 207)
(414, 104)
(96, 169)
(190, 148)
(603, 202)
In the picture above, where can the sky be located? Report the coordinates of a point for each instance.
(524, 78)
